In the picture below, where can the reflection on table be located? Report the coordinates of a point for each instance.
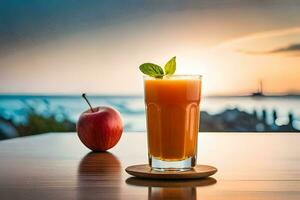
(173, 189)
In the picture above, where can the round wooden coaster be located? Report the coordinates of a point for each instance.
(144, 171)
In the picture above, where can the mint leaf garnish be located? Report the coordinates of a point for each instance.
(156, 71)
(170, 67)
(151, 69)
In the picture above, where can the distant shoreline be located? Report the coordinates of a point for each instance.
(255, 97)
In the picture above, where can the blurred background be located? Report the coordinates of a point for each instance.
(51, 51)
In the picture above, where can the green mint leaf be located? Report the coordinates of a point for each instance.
(151, 69)
(170, 67)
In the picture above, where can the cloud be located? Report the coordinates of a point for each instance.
(257, 36)
(293, 48)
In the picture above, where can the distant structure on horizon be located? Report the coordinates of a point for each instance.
(259, 92)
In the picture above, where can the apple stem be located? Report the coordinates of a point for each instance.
(84, 96)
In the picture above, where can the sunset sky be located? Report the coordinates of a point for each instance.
(68, 47)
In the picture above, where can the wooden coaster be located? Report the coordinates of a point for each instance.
(144, 171)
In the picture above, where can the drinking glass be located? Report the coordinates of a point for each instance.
(172, 115)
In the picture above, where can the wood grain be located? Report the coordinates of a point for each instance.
(57, 166)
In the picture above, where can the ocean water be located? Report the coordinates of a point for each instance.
(132, 107)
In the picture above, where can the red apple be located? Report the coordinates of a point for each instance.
(100, 128)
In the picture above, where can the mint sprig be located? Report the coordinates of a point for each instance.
(156, 71)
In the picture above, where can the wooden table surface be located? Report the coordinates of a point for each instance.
(58, 166)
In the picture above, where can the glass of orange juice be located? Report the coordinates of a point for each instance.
(172, 112)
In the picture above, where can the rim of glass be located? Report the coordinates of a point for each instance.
(180, 76)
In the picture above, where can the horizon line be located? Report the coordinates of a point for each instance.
(295, 94)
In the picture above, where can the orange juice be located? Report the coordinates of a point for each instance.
(172, 111)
